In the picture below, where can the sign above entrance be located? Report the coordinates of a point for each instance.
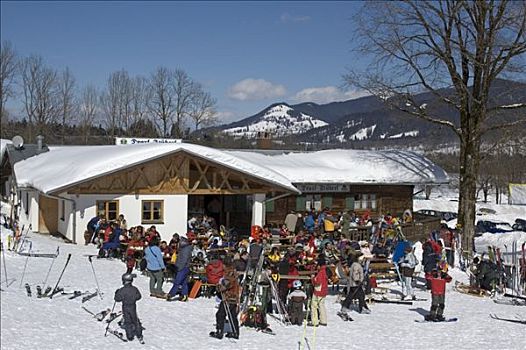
(137, 141)
(322, 188)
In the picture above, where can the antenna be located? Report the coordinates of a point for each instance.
(18, 142)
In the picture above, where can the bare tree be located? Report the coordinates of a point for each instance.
(462, 45)
(88, 110)
(66, 99)
(139, 98)
(40, 95)
(8, 69)
(184, 91)
(202, 111)
(160, 100)
(117, 102)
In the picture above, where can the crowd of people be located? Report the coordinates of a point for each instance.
(303, 257)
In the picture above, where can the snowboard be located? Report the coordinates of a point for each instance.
(453, 319)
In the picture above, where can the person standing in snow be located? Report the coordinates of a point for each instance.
(295, 301)
(128, 295)
(229, 290)
(155, 266)
(182, 264)
(408, 264)
(355, 290)
(438, 295)
(321, 289)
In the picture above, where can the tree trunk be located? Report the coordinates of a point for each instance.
(470, 161)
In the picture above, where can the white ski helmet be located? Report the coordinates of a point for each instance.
(127, 278)
(296, 284)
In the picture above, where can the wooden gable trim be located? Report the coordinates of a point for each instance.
(179, 173)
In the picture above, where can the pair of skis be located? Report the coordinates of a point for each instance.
(495, 317)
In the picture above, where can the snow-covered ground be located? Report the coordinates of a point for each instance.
(60, 323)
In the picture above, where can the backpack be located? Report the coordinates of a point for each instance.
(142, 264)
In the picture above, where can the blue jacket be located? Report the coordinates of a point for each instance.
(92, 224)
(115, 242)
(184, 255)
(154, 258)
(309, 222)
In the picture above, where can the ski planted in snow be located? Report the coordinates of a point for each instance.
(60, 277)
(28, 290)
(495, 317)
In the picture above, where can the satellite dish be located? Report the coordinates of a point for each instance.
(18, 141)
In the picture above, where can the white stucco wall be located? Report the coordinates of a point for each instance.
(31, 218)
(175, 213)
(258, 209)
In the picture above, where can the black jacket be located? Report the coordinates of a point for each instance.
(128, 295)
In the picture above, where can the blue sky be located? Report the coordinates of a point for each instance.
(247, 54)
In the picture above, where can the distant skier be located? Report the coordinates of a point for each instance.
(128, 295)
(438, 295)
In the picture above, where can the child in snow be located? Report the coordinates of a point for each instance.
(128, 295)
(295, 301)
(438, 295)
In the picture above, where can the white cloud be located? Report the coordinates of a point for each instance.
(225, 117)
(255, 89)
(327, 94)
(287, 17)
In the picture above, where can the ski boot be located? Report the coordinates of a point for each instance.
(217, 334)
(183, 298)
(232, 335)
(429, 317)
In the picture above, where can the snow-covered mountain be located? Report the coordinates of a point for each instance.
(365, 121)
(279, 120)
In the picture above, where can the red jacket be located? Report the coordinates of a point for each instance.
(214, 271)
(438, 284)
(321, 285)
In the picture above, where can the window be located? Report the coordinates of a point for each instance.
(152, 212)
(62, 210)
(109, 209)
(312, 202)
(365, 201)
(27, 203)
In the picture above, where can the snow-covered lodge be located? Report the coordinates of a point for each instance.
(61, 188)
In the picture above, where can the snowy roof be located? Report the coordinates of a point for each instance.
(350, 166)
(66, 166)
(3, 147)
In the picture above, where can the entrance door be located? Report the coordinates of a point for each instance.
(48, 215)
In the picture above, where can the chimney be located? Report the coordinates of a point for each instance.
(40, 140)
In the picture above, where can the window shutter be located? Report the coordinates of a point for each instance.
(269, 206)
(327, 202)
(349, 203)
(300, 203)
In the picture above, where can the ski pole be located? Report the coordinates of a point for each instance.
(108, 325)
(5, 267)
(24, 272)
(95, 276)
(50, 267)
(60, 277)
